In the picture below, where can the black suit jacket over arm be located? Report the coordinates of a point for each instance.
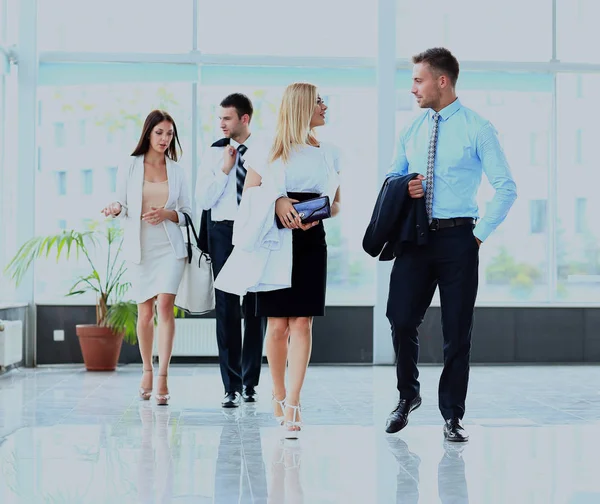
(203, 234)
(397, 219)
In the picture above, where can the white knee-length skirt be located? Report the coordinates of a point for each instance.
(159, 271)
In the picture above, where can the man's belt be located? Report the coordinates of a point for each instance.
(437, 224)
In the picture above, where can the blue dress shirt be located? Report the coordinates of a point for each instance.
(467, 146)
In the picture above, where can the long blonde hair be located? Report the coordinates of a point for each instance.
(293, 122)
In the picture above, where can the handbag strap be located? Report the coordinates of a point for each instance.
(189, 224)
(189, 244)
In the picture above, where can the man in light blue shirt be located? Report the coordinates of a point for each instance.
(449, 146)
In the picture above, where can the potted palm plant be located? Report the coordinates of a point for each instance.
(115, 317)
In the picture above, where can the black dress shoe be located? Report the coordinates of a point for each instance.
(454, 431)
(249, 394)
(399, 417)
(231, 400)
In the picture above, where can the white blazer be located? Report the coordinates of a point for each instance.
(261, 259)
(130, 181)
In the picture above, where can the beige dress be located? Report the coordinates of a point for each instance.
(159, 271)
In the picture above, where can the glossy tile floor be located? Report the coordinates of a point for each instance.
(71, 436)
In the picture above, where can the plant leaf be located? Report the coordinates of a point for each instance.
(75, 293)
(41, 246)
(122, 317)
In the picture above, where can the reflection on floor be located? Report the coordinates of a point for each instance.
(70, 436)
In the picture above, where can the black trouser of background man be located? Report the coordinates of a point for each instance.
(240, 366)
(449, 260)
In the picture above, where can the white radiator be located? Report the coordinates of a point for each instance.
(193, 338)
(11, 342)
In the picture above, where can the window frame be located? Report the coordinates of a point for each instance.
(190, 65)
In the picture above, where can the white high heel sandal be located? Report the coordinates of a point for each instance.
(280, 419)
(290, 432)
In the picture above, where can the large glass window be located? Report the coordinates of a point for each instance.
(3, 21)
(578, 37)
(90, 116)
(577, 229)
(3, 69)
(513, 260)
(9, 26)
(3, 281)
(146, 26)
(8, 178)
(8, 143)
(351, 273)
(71, 190)
(310, 28)
(476, 30)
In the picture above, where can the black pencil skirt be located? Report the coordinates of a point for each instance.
(306, 296)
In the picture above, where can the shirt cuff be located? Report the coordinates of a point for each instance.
(482, 230)
(122, 213)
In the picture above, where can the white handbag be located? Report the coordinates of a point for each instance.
(196, 293)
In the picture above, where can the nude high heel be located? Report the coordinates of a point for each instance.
(145, 393)
(162, 399)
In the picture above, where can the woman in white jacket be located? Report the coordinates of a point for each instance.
(152, 198)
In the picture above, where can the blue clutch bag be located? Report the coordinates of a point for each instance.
(311, 210)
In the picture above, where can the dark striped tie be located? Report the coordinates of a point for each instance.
(240, 172)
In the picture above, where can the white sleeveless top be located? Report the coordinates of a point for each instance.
(309, 169)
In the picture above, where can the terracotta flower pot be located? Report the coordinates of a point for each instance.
(100, 347)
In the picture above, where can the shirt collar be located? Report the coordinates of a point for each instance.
(447, 111)
(247, 143)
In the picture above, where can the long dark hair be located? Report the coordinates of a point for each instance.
(155, 117)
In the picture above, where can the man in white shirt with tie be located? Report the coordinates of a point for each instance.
(219, 191)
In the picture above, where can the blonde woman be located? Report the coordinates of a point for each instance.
(152, 197)
(310, 170)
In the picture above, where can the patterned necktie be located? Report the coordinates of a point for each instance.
(430, 164)
(240, 172)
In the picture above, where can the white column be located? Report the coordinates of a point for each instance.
(195, 160)
(27, 155)
(383, 351)
(552, 213)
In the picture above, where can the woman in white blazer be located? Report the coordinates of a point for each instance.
(152, 198)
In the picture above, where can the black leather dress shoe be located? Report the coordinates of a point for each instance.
(249, 394)
(454, 431)
(231, 400)
(398, 418)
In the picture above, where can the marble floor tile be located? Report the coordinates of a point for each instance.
(71, 436)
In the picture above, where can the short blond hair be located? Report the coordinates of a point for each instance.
(293, 122)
